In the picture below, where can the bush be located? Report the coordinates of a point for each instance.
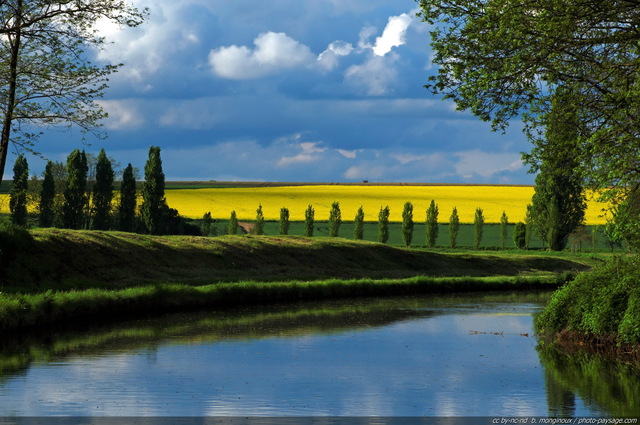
(603, 302)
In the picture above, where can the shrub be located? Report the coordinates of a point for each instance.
(206, 224)
(233, 223)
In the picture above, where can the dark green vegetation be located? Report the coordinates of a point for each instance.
(569, 70)
(69, 275)
(601, 306)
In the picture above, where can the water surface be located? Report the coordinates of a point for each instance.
(459, 355)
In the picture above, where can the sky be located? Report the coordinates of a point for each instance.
(287, 90)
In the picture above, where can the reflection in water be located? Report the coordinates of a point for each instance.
(603, 385)
(410, 356)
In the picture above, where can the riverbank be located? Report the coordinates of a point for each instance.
(598, 311)
(54, 275)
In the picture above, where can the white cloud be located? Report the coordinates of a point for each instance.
(329, 58)
(310, 151)
(376, 75)
(394, 34)
(484, 164)
(348, 154)
(123, 114)
(273, 52)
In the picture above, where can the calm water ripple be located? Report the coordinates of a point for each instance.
(471, 355)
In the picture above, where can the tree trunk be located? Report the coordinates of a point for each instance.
(11, 97)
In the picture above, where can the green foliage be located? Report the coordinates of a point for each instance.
(454, 228)
(383, 225)
(504, 229)
(335, 219)
(284, 221)
(75, 196)
(233, 224)
(358, 225)
(128, 201)
(206, 224)
(18, 193)
(528, 221)
(154, 204)
(407, 223)
(478, 226)
(48, 79)
(520, 235)
(258, 228)
(570, 65)
(14, 240)
(432, 224)
(102, 193)
(309, 221)
(601, 303)
(47, 197)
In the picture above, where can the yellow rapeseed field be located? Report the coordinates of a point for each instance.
(193, 203)
(492, 199)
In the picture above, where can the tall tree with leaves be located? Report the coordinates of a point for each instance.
(284, 221)
(454, 228)
(19, 189)
(407, 223)
(383, 224)
(75, 193)
(47, 77)
(478, 227)
(504, 229)
(501, 60)
(558, 204)
(128, 201)
(258, 228)
(102, 193)
(154, 207)
(335, 219)
(358, 224)
(233, 223)
(432, 224)
(309, 217)
(46, 206)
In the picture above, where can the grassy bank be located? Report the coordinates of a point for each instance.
(54, 275)
(600, 309)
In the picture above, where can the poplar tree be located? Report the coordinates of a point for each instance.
(206, 224)
(309, 215)
(504, 228)
(383, 225)
(75, 193)
(284, 221)
(358, 224)
(454, 228)
(18, 193)
(407, 223)
(259, 224)
(478, 227)
(102, 193)
(432, 224)
(128, 201)
(154, 205)
(47, 197)
(335, 219)
(233, 223)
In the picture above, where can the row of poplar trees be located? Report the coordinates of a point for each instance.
(93, 204)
